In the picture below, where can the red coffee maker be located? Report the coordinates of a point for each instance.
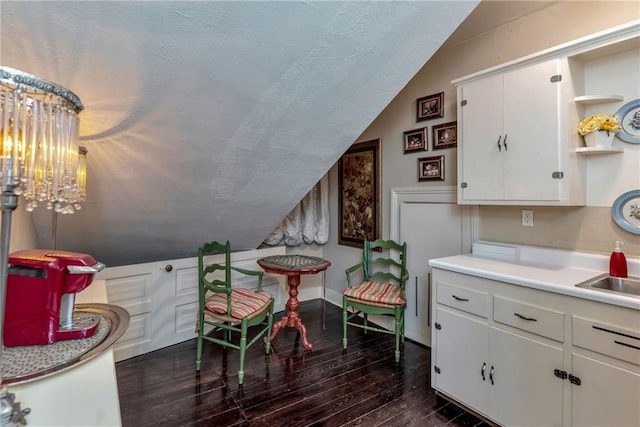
(40, 297)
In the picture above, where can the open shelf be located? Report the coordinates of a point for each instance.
(599, 150)
(597, 99)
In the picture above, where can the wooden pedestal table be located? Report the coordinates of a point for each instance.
(293, 266)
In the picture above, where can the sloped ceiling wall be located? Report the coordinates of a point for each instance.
(211, 120)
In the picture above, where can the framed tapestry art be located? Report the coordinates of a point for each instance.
(430, 107)
(358, 194)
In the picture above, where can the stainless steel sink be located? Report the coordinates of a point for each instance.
(629, 286)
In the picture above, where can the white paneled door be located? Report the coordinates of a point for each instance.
(433, 226)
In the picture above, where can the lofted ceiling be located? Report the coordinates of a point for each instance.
(211, 120)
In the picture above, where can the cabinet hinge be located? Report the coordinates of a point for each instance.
(574, 380)
(463, 102)
(560, 374)
(557, 175)
(463, 185)
(435, 368)
(557, 78)
(438, 326)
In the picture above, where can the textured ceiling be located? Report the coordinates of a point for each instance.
(211, 120)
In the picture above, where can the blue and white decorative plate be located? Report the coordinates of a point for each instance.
(626, 211)
(629, 117)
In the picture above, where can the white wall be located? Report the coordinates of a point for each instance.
(541, 30)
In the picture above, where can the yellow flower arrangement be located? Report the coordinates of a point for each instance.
(599, 122)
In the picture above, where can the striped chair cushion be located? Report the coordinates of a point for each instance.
(244, 303)
(377, 293)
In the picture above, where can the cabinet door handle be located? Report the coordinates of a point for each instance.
(505, 142)
(499, 146)
(484, 368)
(528, 319)
(429, 299)
(491, 375)
(574, 380)
(416, 296)
(459, 299)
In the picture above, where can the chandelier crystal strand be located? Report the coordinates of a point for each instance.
(82, 176)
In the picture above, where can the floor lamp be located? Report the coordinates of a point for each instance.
(39, 162)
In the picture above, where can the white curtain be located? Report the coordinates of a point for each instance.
(308, 222)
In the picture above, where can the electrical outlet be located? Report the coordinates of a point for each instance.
(527, 218)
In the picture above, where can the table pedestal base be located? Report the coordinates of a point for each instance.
(292, 266)
(291, 318)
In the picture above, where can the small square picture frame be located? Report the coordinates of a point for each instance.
(431, 168)
(445, 135)
(430, 107)
(416, 140)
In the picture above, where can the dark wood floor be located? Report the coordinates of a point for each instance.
(291, 387)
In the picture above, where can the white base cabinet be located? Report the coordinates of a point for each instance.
(461, 372)
(523, 389)
(596, 403)
(526, 357)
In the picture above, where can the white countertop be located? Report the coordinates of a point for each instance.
(86, 395)
(546, 269)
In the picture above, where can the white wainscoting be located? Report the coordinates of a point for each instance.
(162, 298)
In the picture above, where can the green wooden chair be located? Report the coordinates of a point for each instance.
(229, 309)
(382, 275)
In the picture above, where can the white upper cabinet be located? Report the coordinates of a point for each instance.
(517, 137)
(510, 142)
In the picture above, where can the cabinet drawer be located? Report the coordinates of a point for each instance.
(623, 344)
(530, 318)
(465, 299)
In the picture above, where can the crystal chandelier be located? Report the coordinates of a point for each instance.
(41, 161)
(39, 132)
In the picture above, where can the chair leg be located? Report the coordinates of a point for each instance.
(243, 348)
(398, 332)
(366, 322)
(344, 323)
(199, 345)
(269, 326)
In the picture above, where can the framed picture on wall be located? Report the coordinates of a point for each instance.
(431, 168)
(415, 140)
(430, 107)
(359, 194)
(445, 135)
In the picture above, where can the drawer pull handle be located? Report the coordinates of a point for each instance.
(599, 328)
(627, 345)
(528, 319)
(459, 299)
(484, 368)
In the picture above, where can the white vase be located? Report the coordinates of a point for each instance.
(599, 139)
